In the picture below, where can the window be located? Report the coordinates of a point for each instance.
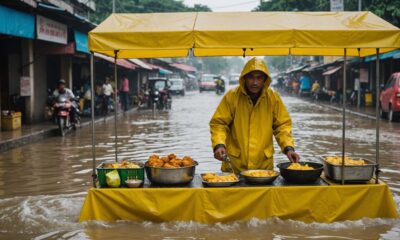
(390, 83)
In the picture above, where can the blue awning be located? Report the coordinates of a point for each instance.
(81, 42)
(382, 56)
(16, 23)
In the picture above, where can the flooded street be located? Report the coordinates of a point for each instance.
(43, 184)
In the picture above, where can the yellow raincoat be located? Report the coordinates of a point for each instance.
(247, 130)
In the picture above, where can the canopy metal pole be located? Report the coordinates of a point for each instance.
(94, 176)
(344, 114)
(115, 105)
(377, 170)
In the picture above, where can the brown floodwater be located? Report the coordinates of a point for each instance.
(43, 184)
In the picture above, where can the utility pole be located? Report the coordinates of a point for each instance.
(113, 6)
(359, 5)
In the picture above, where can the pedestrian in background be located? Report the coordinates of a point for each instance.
(124, 90)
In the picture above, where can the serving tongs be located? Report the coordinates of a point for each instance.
(228, 161)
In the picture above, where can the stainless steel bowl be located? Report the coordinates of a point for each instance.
(352, 173)
(258, 180)
(170, 176)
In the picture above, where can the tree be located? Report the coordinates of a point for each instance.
(104, 7)
(386, 9)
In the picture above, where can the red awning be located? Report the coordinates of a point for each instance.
(331, 71)
(120, 62)
(184, 67)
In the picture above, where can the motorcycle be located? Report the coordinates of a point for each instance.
(63, 108)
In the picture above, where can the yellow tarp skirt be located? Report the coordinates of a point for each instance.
(211, 205)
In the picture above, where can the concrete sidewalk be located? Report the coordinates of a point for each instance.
(36, 132)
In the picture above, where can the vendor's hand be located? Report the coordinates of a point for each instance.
(293, 156)
(219, 153)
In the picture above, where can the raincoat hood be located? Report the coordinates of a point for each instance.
(254, 64)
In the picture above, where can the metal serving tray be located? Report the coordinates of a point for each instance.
(258, 180)
(218, 184)
(357, 173)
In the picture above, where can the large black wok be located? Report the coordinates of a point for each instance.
(301, 176)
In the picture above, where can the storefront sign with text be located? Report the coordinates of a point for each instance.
(50, 30)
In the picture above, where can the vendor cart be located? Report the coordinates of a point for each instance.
(158, 35)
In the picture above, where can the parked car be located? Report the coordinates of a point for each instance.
(390, 98)
(234, 79)
(177, 86)
(207, 82)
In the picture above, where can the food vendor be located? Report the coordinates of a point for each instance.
(246, 119)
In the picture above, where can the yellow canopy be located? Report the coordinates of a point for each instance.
(252, 33)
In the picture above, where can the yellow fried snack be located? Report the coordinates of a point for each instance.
(212, 177)
(337, 160)
(298, 166)
(122, 164)
(261, 173)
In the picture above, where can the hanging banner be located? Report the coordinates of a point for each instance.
(337, 5)
(50, 30)
(26, 86)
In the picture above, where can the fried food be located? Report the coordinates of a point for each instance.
(298, 166)
(213, 177)
(122, 164)
(187, 161)
(337, 160)
(176, 162)
(170, 161)
(261, 173)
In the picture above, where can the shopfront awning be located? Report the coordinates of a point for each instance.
(152, 35)
(331, 71)
(184, 67)
(382, 56)
(299, 68)
(16, 23)
(161, 70)
(140, 63)
(120, 62)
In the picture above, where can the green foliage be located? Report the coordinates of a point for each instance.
(386, 9)
(104, 7)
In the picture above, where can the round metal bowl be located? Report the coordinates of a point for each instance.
(301, 176)
(258, 180)
(219, 184)
(170, 176)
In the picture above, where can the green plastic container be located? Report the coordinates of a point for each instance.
(124, 174)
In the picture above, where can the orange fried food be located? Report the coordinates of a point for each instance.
(172, 156)
(156, 163)
(187, 161)
(170, 161)
(168, 165)
(176, 162)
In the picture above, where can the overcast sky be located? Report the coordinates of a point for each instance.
(226, 5)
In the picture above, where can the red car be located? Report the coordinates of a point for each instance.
(207, 83)
(390, 98)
